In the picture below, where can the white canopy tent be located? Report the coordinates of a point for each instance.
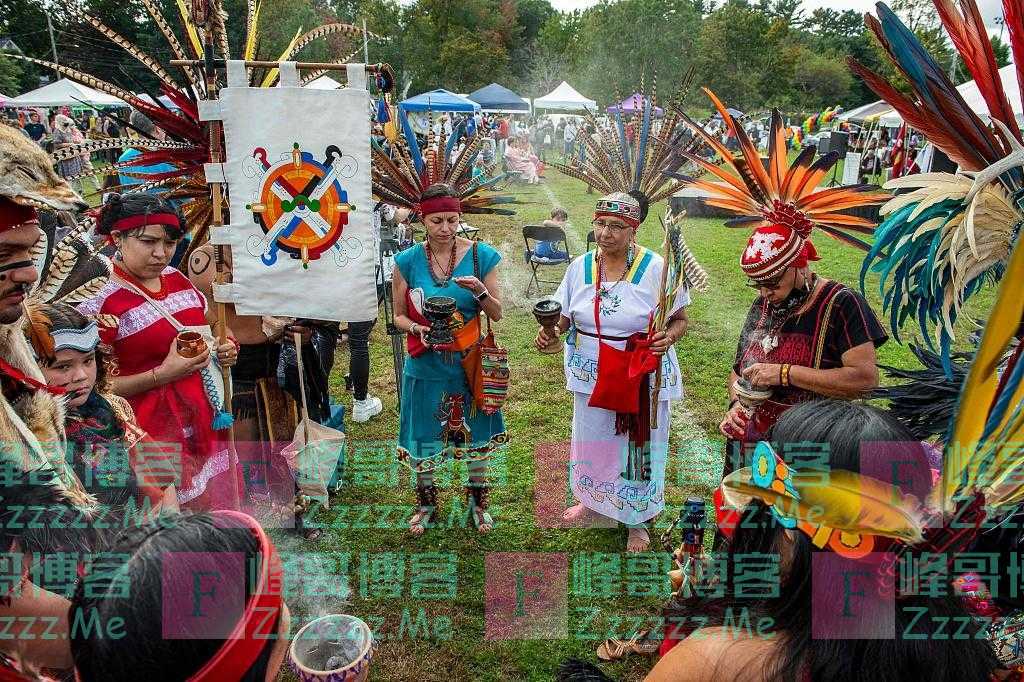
(323, 83)
(866, 112)
(564, 98)
(64, 92)
(972, 95)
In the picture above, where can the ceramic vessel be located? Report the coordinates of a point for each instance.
(335, 648)
(548, 313)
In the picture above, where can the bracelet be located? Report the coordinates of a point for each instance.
(734, 403)
(784, 374)
(412, 328)
(483, 295)
(156, 382)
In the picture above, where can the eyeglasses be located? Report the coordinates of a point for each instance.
(615, 228)
(769, 284)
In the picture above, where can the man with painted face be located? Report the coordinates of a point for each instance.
(805, 336)
(29, 412)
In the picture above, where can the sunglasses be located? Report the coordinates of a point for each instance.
(770, 284)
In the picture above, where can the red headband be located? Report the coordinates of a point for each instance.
(245, 643)
(13, 214)
(439, 205)
(629, 220)
(131, 222)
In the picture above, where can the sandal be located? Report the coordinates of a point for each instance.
(426, 510)
(641, 645)
(478, 499)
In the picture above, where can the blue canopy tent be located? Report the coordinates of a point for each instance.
(435, 100)
(438, 100)
(499, 99)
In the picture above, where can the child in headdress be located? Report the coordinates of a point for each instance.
(104, 439)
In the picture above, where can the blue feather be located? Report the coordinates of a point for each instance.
(1002, 402)
(410, 139)
(645, 132)
(623, 144)
(453, 139)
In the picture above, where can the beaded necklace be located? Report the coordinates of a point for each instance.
(605, 290)
(431, 261)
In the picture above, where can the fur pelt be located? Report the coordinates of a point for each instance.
(42, 414)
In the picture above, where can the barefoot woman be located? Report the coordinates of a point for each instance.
(617, 460)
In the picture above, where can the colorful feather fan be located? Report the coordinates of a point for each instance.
(634, 157)
(944, 240)
(777, 192)
(402, 171)
(185, 143)
(984, 454)
(933, 250)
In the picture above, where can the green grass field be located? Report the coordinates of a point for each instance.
(371, 511)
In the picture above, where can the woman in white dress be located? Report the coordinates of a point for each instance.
(609, 298)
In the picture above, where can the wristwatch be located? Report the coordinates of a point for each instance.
(482, 296)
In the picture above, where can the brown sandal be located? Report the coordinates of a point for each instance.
(616, 649)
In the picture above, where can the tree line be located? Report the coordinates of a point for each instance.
(768, 53)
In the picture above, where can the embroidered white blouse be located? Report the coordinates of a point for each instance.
(627, 307)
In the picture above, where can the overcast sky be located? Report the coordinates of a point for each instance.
(990, 9)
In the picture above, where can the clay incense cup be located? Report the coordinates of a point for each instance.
(190, 344)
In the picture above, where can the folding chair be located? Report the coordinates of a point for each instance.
(542, 233)
(591, 240)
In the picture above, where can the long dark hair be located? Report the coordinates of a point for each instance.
(846, 427)
(118, 206)
(144, 652)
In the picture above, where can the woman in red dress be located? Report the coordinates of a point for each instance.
(141, 311)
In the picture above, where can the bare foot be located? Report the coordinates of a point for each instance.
(638, 540)
(418, 521)
(578, 513)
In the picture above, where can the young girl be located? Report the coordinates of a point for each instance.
(103, 436)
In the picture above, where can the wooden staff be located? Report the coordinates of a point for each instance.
(217, 195)
(660, 319)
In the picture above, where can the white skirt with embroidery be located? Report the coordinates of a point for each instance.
(597, 462)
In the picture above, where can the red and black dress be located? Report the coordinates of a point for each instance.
(812, 335)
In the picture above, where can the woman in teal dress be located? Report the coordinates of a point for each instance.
(438, 420)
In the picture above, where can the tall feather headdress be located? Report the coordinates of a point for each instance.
(637, 164)
(187, 144)
(402, 171)
(943, 240)
(777, 192)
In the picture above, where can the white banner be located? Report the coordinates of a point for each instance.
(298, 176)
(851, 168)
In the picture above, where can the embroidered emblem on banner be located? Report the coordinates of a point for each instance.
(302, 206)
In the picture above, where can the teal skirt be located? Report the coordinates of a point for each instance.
(438, 424)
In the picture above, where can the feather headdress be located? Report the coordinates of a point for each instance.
(947, 237)
(777, 192)
(186, 146)
(402, 171)
(633, 157)
(71, 271)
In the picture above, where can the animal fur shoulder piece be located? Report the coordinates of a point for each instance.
(27, 176)
(32, 431)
